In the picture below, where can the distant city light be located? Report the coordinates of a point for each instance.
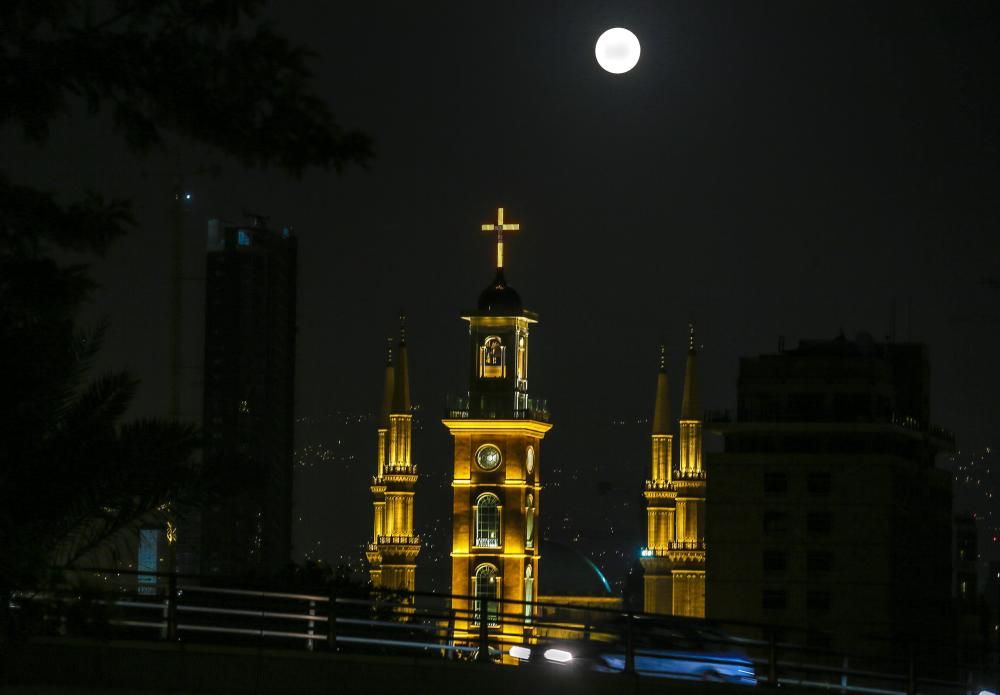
(187, 196)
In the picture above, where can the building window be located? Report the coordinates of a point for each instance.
(775, 483)
(819, 523)
(774, 600)
(522, 358)
(486, 588)
(775, 523)
(491, 358)
(242, 238)
(819, 483)
(488, 521)
(529, 463)
(774, 561)
(819, 561)
(529, 593)
(529, 521)
(818, 601)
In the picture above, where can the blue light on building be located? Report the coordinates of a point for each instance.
(148, 561)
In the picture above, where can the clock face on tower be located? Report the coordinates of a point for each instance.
(488, 457)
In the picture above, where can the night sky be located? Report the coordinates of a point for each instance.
(768, 169)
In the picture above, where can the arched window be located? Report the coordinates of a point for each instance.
(529, 593)
(522, 358)
(488, 521)
(492, 358)
(529, 521)
(486, 588)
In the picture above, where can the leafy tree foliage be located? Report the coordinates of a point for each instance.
(72, 472)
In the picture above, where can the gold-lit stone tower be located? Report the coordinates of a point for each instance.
(392, 553)
(661, 503)
(497, 435)
(674, 556)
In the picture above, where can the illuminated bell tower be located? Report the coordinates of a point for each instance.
(660, 504)
(392, 554)
(497, 433)
(687, 552)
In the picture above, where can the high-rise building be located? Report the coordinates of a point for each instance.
(673, 559)
(497, 432)
(826, 513)
(392, 553)
(250, 328)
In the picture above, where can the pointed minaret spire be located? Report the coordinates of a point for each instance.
(661, 408)
(393, 552)
(387, 387)
(690, 405)
(401, 382)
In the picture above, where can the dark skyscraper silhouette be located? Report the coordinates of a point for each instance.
(249, 394)
(826, 511)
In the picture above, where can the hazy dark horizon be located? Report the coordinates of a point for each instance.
(767, 170)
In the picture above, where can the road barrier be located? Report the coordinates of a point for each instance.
(348, 618)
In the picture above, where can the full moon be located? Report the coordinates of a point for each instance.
(617, 50)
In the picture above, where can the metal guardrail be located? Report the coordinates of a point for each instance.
(420, 623)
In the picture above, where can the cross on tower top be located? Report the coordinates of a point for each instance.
(500, 228)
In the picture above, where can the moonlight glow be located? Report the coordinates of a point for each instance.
(617, 50)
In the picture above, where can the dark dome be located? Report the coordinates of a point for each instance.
(500, 299)
(565, 571)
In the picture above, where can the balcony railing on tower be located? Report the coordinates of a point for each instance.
(457, 408)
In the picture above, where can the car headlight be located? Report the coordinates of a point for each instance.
(558, 655)
(520, 652)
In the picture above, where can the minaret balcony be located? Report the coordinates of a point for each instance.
(399, 540)
(391, 470)
(689, 475)
(659, 485)
(398, 549)
(653, 552)
(672, 547)
(686, 545)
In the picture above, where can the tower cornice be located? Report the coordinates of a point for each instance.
(468, 425)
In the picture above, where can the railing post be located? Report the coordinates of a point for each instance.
(911, 673)
(172, 607)
(484, 632)
(312, 625)
(772, 658)
(843, 674)
(450, 637)
(331, 622)
(629, 645)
